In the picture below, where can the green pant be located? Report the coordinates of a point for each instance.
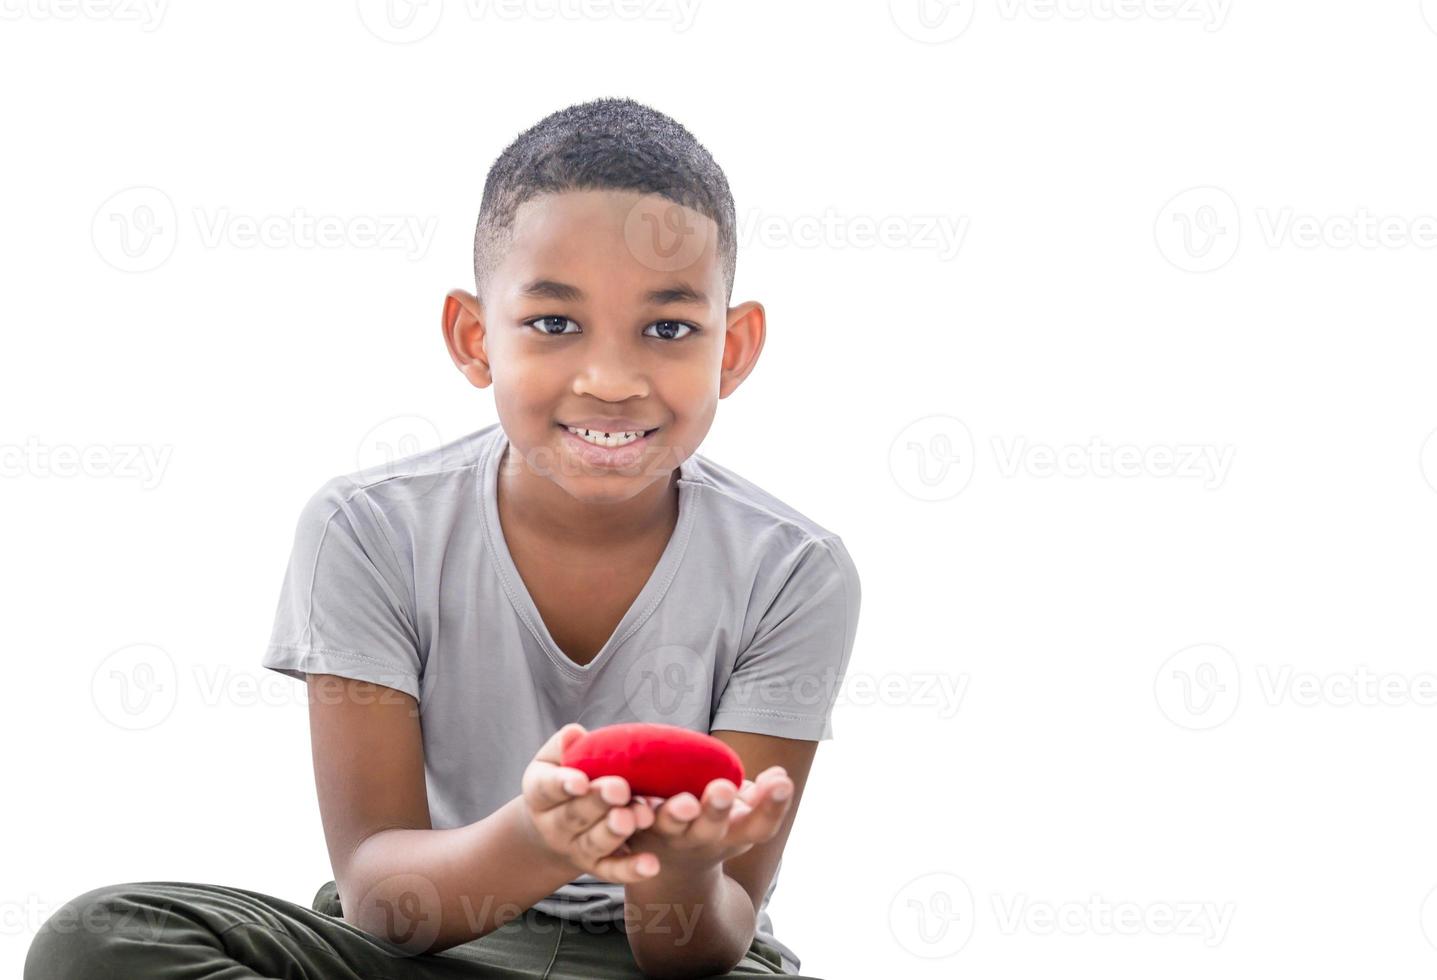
(177, 930)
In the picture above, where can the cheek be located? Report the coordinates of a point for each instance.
(689, 382)
(527, 384)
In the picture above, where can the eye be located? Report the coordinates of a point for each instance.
(668, 326)
(541, 324)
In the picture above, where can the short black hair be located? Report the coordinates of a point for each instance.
(604, 144)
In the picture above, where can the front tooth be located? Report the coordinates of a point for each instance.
(605, 438)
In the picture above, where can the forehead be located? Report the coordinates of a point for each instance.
(614, 240)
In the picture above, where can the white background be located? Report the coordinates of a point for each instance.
(1045, 281)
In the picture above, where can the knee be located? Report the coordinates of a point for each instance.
(78, 940)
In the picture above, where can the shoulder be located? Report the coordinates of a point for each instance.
(744, 517)
(405, 489)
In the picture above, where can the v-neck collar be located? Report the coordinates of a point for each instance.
(642, 606)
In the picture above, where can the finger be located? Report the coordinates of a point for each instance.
(753, 790)
(600, 840)
(553, 749)
(767, 807)
(674, 815)
(546, 785)
(625, 868)
(643, 813)
(601, 795)
(613, 790)
(712, 822)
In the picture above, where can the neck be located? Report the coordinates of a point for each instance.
(542, 509)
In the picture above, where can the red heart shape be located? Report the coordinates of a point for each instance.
(656, 759)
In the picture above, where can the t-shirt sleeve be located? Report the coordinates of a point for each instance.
(345, 606)
(786, 680)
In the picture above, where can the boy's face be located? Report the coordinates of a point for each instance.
(608, 311)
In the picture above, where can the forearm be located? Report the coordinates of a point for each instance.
(428, 890)
(689, 926)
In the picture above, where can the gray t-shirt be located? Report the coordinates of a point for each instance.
(400, 575)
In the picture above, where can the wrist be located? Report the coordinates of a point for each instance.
(677, 883)
(552, 862)
(697, 922)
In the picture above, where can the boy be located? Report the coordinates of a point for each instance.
(461, 615)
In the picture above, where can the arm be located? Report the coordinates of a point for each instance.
(344, 623)
(427, 890)
(805, 633)
(698, 921)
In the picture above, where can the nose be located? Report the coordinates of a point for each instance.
(611, 371)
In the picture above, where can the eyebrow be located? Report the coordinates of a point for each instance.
(563, 292)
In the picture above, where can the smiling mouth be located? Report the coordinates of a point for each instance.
(597, 437)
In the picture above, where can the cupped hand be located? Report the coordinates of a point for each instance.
(689, 834)
(585, 825)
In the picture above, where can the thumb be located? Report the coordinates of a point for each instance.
(553, 750)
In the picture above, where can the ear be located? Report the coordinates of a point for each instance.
(743, 339)
(463, 322)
